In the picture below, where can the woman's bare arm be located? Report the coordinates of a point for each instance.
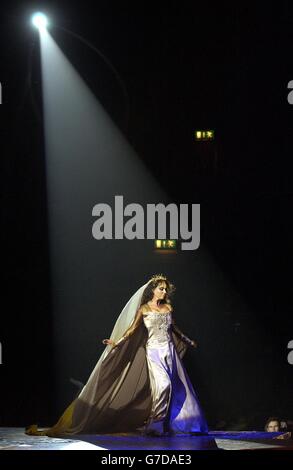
(182, 336)
(135, 324)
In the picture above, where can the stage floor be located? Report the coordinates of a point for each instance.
(16, 439)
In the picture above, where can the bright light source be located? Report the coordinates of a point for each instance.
(40, 21)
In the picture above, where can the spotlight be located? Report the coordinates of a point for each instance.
(40, 21)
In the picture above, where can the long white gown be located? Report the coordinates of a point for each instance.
(139, 386)
(175, 406)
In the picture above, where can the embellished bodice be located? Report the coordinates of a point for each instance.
(158, 326)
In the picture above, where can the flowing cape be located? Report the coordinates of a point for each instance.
(117, 396)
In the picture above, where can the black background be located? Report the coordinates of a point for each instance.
(185, 66)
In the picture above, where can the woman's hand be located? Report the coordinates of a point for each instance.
(109, 341)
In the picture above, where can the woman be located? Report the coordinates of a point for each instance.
(139, 383)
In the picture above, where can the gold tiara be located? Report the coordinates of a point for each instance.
(158, 277)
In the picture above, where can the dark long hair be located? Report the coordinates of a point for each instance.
(154, 282)
(272, 418)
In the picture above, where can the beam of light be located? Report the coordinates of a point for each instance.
(88, 160)
(40, 21)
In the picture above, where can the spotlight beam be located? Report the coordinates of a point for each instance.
(40, 21)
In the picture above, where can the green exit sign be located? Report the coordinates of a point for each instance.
(165, 244)
(205, 135)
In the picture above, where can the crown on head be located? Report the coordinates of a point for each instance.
(158, 277)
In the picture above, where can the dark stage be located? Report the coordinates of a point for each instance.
(15, 439)
(144, 141)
